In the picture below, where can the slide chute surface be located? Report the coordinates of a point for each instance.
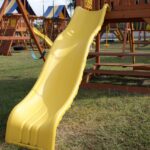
(33, 122)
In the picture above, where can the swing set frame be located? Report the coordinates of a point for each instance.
(26, 18)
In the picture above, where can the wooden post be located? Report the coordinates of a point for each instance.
(97, 7)
(132, 42)
(126, 36)
(79, 3)
(25, 16)
(25, 4)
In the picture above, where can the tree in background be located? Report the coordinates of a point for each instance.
(71, 6)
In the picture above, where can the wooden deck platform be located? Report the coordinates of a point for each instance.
(119, 54)
(123, 65)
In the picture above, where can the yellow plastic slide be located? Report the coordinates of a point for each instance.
(44, 37)
(33, 122)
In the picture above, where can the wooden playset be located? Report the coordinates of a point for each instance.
(16, 27)
(128, 12)
(56, 19)
(14, 31)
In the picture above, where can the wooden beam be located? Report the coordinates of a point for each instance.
(25, 16)
(123, 65)
(21, 29)
(98, 37)
(123, 88)
(142, 68)
(119, 54)
(131, 73)
(29, 16)
(79, 3)
(142, 42)
(128, 14)
(3, 8)
(132, 7)
(14, 38)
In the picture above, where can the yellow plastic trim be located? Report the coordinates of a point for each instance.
(44, 37)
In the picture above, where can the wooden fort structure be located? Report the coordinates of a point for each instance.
(127, 11)
(56, 19)
(10, 24)
(14, 30)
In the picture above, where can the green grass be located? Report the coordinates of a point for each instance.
(97, 120)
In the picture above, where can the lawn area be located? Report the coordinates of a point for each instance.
(97, 120)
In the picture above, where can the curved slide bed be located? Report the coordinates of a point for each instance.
(33, 122)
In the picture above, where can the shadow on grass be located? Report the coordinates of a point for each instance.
(11, 93)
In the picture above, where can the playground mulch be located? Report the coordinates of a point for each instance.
(97, 120)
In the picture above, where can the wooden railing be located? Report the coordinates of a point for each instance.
(116, 4)
(126, 4)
